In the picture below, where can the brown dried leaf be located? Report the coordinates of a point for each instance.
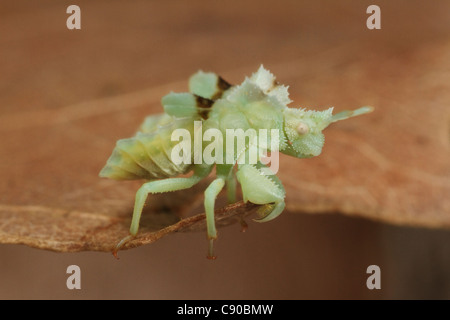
(72, 231)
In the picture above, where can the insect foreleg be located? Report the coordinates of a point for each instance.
(261, 188)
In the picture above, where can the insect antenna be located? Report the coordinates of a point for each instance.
(353, 113)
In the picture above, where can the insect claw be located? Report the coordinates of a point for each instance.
(120, 245)
(264, 211)
(270, 211)
(114, 253)
(211, 255)
(244, 225)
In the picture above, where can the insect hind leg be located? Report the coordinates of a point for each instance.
(159, 186)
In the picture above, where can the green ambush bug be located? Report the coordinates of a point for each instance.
(259, 103)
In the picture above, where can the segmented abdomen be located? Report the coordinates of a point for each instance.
(147, 155)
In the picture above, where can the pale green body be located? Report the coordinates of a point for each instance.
(258, 103)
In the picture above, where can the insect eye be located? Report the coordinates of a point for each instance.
(302, 128)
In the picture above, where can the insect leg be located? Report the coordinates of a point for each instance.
(231, 183)
(210, 198)
(231, 186)
(159, 186)
(259, 187)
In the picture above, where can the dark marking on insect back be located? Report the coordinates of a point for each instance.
(222, 86)
(203, 102)
(203, 113)
(203, 106)
(275, 84)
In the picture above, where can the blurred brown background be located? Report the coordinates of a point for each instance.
(129, 47)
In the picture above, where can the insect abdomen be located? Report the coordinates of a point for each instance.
(147, 155)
